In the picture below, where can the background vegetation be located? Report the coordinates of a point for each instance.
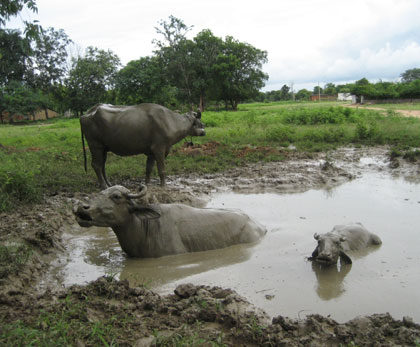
(45, 158)
(407, 88)
(37, 71)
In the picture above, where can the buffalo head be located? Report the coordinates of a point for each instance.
(197, 128)
(329, 249)
(112, 207)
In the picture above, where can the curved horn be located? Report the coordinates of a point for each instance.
(316, 236)
(143, 191)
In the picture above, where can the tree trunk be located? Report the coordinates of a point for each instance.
(46, 113)
(201, 103)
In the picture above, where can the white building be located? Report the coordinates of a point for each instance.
(344, 97)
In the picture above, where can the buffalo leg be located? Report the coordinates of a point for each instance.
(149, 167)
(103, 170)
(98, 163)
(160, 162)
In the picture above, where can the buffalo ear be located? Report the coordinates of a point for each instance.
(314, 254)
(144, 212)
(345, 258)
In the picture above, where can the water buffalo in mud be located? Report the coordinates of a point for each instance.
(148, 129)
(333, 245)
(163, 229)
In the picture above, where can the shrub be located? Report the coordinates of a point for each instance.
(280, 133)
(17, 187)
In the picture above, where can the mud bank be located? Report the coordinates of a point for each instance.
(200, 313)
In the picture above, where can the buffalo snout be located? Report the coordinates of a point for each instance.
(82, 214)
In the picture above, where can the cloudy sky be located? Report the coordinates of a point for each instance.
(307, 41)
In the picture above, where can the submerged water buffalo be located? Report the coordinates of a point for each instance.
(333, 245)
(148, 129)
(163, 229)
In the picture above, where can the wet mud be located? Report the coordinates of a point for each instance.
(38, 285)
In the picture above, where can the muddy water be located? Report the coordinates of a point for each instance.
(274, 274)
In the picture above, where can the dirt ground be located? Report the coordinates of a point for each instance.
(406, 113)
(203, 314)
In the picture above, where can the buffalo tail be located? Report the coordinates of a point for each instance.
(84, 149)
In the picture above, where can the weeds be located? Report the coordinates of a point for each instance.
(12, 257)
(17, 187)
(65, 326)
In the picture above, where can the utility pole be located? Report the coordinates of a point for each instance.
(291, 88)
(319, 93)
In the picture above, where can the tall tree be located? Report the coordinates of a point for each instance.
(14, 56)
(143, 81)
(410, 75)
(92, 79)
(205, 51)
(12, 8)
(238, 71)
(284, 92)
(318, 90)
(175, 54)
(330, 89)
(303, 94)
(49, 62)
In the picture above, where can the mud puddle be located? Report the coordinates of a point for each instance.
(274, 274)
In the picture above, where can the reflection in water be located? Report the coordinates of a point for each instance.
(330, 279)
(159, 271)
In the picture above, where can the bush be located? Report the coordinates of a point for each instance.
(280, 133)
(17, 187)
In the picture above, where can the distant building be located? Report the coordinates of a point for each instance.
(344, 97)
(39, 115)
(323, 97)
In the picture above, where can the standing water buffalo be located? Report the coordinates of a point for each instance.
(148, 129)
(342, 238)
(163, 229)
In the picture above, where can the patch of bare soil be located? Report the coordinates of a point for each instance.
(208, 313)
(406, 113)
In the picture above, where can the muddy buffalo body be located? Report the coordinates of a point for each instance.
(148, 129)
(343, 238)
(164, 229)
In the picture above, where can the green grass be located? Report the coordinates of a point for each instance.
(12, 257)
(44, 158)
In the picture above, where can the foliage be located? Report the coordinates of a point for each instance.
(303, 94)
(12, 257)
(18, 98)
(205, 53)
(29, 70)
(143, 81)
(410, 75)
(91, 78)
(17, 187)
(12, 8)
(207, 66)
(238, 72)
(14, 56)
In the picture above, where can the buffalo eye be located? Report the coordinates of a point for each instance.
(116, 197)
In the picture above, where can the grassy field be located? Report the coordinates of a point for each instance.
(39, 158)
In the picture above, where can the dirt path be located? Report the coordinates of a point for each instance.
(406, 113)
(199, 315)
